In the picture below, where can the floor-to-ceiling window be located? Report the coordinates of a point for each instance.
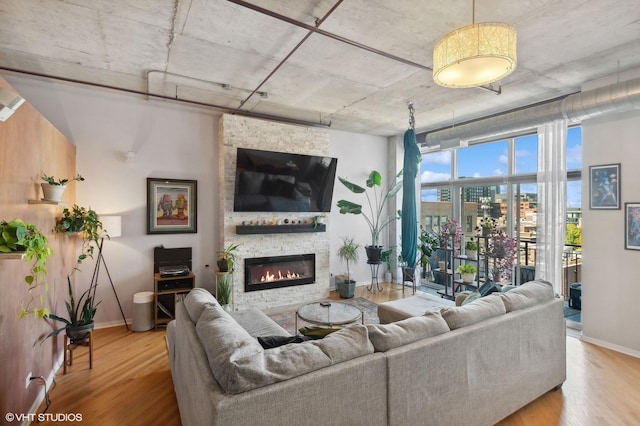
(498, 179)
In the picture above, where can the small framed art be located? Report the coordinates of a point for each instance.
(172, 206)
(604, 187)
(632, 226)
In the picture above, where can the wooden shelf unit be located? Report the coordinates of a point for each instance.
(167, 292)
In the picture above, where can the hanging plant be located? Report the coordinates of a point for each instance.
(18, 236)
(85, 223)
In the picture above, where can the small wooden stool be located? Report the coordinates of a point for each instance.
(69, 347)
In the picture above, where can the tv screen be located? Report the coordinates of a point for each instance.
(268, 181)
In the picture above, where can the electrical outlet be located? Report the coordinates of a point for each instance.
(27, 380)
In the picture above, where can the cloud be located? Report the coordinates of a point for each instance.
(574, 157)
(503, 159)
(429, 176)
(441, 157)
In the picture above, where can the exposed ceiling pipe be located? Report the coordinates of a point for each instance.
(312, 29)
(286, 58)
(618, 97)
(174, 99)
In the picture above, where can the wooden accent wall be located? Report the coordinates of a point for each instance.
(29, 147)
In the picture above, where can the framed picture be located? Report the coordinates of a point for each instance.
(171, 206)
(604, 187)
(632, 226)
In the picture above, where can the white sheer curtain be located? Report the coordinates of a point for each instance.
(552, 202)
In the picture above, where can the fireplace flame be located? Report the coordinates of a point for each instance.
(278, 276)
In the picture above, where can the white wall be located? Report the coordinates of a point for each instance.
(357, 155)
(610, 284)
(174, 141)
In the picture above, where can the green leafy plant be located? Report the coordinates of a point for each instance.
(466, 268)
(471, 245)
(227, 258)
(84, 222)
(317, 220)
(224, 289)
(80, 311)
(60, 182)
(348, 252)
(387, 257)
(376, 199)
(19, 236)
(427, 243)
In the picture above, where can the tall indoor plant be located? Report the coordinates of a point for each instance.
(18, 236)
(80, 313)
(347, 252)
(375, 215)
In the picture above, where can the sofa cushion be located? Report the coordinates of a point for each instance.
(471, 313)
(528, 294)
(239, 363)
(474, 295)
(348, 343)
(413, 306)
(195, 302)
(388, 336)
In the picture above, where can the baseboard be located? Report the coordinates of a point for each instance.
(110, 324)
(608, 345)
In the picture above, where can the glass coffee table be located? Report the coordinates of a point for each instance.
(329, 314)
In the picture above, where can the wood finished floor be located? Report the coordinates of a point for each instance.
(130, 383)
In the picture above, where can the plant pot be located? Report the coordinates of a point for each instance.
(486, 231)
(472, 254)
(80, 333)
(374, 254)
(223, 265)
(52, 192)
(387, 277)
(346, 289)
(468, 278)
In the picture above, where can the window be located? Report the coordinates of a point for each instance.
(482, 160)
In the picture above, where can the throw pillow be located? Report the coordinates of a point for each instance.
(488, 287)
(316, 332)
(270, 342)
(528, 294)
(388, 336)
(471, 313)
(475, 295)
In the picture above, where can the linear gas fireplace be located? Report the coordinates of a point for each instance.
(262, 273)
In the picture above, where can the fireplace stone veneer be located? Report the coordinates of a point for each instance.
(263, 273)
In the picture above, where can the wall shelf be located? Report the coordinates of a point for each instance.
(55, 203)
(279, 229)
(14, 255)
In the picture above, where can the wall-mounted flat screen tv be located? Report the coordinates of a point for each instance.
(269, 181)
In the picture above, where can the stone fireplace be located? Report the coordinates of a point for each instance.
(237, 131)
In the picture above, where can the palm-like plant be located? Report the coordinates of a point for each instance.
(80, 311)
(348, 252)
(375, 217)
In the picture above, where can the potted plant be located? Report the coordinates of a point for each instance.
(486, 226)
(451, 233)
(387, 258)
(224, 291)
(80, 313)
(427, 243)
(467, 272)
(84, 222)
(347, 252)
(318, 220)
(53, 189)
(227, 258)
(471, 249)
(18, 236)
(502, 249)
(375, 217)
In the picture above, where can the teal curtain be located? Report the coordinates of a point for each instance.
(409, 216)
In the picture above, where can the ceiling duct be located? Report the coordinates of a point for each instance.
(619, 97)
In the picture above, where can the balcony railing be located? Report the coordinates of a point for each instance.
(571, 262)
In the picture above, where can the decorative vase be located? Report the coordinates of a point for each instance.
(387, 277)
(52, 192)
(486, 231)
(472, 254)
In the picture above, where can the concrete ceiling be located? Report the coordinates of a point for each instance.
(217, 52)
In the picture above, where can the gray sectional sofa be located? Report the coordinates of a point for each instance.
(473, 364)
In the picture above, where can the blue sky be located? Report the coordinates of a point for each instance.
(491, 160)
